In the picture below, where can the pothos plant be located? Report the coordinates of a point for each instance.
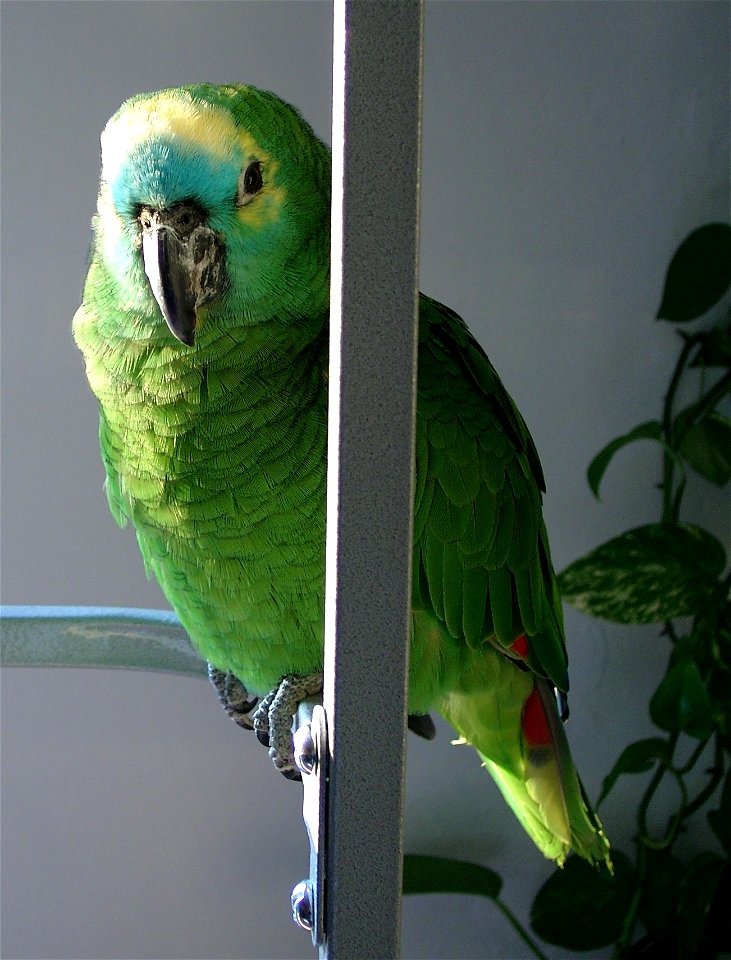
(673, 573)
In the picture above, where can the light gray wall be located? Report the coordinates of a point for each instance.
(568, 148)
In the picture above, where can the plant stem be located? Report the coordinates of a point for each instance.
(520, 929)
(673, 439)
(709, 400)
(717, 772)
(652, 787)
(670, 508)
(688, 343)
(693, 758)
(675, 821)
(630, 919)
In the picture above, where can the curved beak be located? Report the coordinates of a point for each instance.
(185, 264)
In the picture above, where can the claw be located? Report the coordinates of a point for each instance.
(273, 719)
(233, 696)
(422, 725)
(260, 719)
(294, 775)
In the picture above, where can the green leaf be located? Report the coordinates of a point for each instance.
(715, 348)
(97, 637)
(718, 929)
(714, 632)
(638, 757)
(699, 274)
(424, 874)
(697, 893)
(660, 890)
(706, 446)
(681, 701)
(582, 908)
(646, 575)
(720, 820)
(651, 430)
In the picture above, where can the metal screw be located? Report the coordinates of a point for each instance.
(303, 907)
(305, 752)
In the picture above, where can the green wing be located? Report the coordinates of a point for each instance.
(481, 560)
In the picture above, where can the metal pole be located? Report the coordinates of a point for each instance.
(376, 138)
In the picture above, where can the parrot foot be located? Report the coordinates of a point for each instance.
(274, 717)
(233, 696)
(422, 725)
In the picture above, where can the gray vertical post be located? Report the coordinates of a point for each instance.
(376, 139)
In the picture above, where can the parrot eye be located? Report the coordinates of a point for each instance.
(250, 183)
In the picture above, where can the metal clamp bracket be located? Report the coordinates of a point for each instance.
(311, 757)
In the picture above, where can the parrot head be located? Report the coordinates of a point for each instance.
(213, 210)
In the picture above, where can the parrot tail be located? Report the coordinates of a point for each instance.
(526, 751)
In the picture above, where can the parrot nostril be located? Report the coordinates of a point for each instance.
(185, 216)
(182, 217)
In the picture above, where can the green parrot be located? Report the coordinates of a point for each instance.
(204, 330)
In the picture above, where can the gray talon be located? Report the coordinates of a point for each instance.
(260, 719)
(288, 769)
(274, 717)
(233, 696)
(271, 718)
(422, 725)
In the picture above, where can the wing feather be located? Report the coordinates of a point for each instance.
(481, 553)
